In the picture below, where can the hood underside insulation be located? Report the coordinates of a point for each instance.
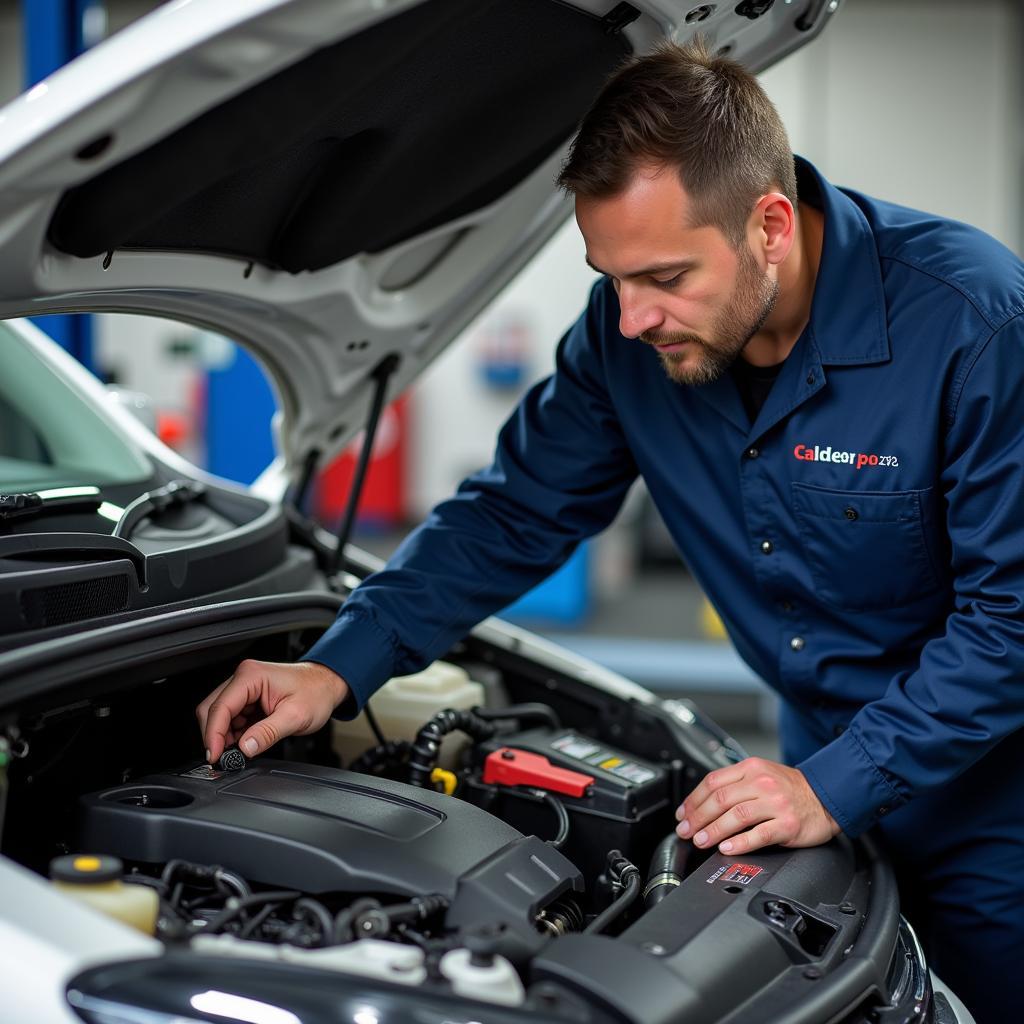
(417, 121)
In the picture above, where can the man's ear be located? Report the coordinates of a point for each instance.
(772, 226)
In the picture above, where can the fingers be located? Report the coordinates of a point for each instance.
(749, 826)
(753, 804)
(203, 716)
(716, 793)
(295, 698)
(709, 784)
(218, 712)
(765, 834)
(287, 719)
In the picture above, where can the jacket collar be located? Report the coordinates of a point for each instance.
(848, 318)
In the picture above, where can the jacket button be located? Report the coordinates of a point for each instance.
(767, 547)
(810, 378)
(797, 643)
(752, 453)
(838, 730)
(851, 514)
(883, 811)
(786, 606)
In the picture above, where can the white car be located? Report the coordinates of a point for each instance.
(341, 186)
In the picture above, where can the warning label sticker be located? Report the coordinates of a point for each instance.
(204, 771)
(633, 772)
(573, 746)
(599, 757)
(742, 873)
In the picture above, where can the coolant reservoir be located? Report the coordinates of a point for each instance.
(404, 704)
(97, 881)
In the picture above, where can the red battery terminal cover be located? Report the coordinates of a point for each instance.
(510, 767)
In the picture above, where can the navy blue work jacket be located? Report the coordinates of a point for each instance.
(863, 540)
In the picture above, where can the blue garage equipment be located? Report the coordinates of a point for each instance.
(53, 33)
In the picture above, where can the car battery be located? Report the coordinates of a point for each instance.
(614, 800)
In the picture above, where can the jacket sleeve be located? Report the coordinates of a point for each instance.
(967, 692)
(560, 473)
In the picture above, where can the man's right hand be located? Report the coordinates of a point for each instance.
(265, 701)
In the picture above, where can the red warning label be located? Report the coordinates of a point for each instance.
(742, 873)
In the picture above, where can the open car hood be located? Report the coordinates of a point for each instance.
(328, 182)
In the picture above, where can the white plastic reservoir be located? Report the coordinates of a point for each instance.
(404, 704)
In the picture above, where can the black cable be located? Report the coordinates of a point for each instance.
(522, 712)
(229, 880)
(320, 914)
(383, 757)
(256, 920)
(623, 873)
(238, 905)
(531, 793)
(371, 719)
(563, 820)
(381, 374)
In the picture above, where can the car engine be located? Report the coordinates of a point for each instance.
(533, 871)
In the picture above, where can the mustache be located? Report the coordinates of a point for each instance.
(671, 338)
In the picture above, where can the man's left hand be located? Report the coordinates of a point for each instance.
(752, 804)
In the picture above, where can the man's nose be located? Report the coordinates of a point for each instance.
(637, 313)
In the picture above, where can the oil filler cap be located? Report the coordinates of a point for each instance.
(232, 760)
(86, 869)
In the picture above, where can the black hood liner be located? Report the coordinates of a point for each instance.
(414, 122)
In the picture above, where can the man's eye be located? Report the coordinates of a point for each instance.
(670, 282)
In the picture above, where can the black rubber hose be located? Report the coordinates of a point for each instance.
(668, 869)
(616, 909)
(426, 746)
(237, 906)
(522, 712)
(392, 753)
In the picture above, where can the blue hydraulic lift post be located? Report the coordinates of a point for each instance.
(53, 33)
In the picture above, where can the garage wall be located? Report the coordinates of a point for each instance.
(916, 101)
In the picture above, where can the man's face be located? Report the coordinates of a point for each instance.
(686, 291)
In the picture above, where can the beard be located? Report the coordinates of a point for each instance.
(743, 316)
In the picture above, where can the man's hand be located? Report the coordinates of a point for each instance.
(264, 702)
(752, 804)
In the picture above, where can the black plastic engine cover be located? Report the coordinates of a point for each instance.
(322, 830)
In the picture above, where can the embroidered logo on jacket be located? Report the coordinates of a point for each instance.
(858, 460)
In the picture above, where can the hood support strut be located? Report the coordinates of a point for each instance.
(381, 374)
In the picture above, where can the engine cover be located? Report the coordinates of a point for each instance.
(323, 830)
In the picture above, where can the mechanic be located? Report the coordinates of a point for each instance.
(822, 392)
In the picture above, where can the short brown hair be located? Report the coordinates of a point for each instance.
(683, 107)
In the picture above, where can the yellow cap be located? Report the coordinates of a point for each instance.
(86, 869)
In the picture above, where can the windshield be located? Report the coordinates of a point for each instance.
(50, 436)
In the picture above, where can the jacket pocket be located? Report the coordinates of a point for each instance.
(866, 550)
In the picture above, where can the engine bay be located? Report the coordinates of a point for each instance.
(536, 868)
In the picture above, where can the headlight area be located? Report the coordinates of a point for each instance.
(532, 871)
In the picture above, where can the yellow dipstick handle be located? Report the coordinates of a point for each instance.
(446, 778)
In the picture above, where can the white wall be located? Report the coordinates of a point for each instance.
(916, 101)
